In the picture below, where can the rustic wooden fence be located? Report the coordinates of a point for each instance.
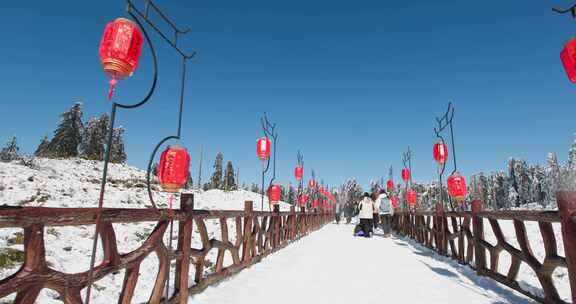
(466, 243)
(257, 235)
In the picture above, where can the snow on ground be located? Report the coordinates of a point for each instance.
(527, 277)
(332, 266)
(76, 183)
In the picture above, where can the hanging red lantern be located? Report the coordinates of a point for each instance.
(406, 174)
(173, 168)
(390, 185)
(315, 203)
(303, 199)
(312, 184)
(394, 201)
(568, 57)
(263, 148)
(120, 50)
(274, 193)
(299, 172)
(411, 197)
(440, 153)
(457, 187)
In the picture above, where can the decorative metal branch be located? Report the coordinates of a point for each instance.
(571, 10)
(443, 122)
(269, 130)
(136, 15)
(407, 161)
(300, 158)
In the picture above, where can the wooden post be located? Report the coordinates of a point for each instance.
(478, 231)
(248, 221)
(567, 207)
(276, 222)
(440, 229)
(292, 223)
(184, 246)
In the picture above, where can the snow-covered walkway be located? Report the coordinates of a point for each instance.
(332, 266)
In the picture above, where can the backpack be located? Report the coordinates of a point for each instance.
(384, 205)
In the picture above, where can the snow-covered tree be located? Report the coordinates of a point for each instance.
(10, 151)
(255, 188)
(229, 180)
(68, 135)
(42, 149)
(94, 138)
(216, 179)
(291, 195)
(117, 151)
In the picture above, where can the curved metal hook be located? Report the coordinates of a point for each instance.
(150, 161)
(154, 66)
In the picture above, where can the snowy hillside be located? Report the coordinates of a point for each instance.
(76, 183)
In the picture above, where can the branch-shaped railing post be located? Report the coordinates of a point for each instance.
(300, 158)
(269, 130)
(138, 17)
(407, 162)
(443, 122)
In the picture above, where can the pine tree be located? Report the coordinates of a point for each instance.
(291, 196)
(42, 149)
(216, 180)
(255, 188)
(68, 135)
(94, 138)
(10, 151)
(229, 181)
(117, 151)
(572, 156)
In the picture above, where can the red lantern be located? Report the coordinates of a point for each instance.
(263, 148)
(406, 174)
(411, 197)
(120, 50)
(315, 203)
(568, 56)
(274, 193)
(299, 172)
(173, 168)
(457, 187)
(312, 184)
(440, 153)
(394, 201)
(390, 185)
(303, 199)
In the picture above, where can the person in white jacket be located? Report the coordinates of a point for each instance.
(366, 210)
(386, 211)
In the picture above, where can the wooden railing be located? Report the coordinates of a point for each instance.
(461, 235)
(257, 234)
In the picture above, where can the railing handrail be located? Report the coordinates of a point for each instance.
(549, 216)
(48, 216)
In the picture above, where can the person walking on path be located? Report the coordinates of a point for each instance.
(386, 211)
(366, 214)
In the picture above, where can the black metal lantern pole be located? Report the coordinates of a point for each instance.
(443, 122)
(269, 130)
(300, 158)
(447, 121)
(137, 15)
(407, 161)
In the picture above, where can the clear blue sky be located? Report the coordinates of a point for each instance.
(350, 83)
